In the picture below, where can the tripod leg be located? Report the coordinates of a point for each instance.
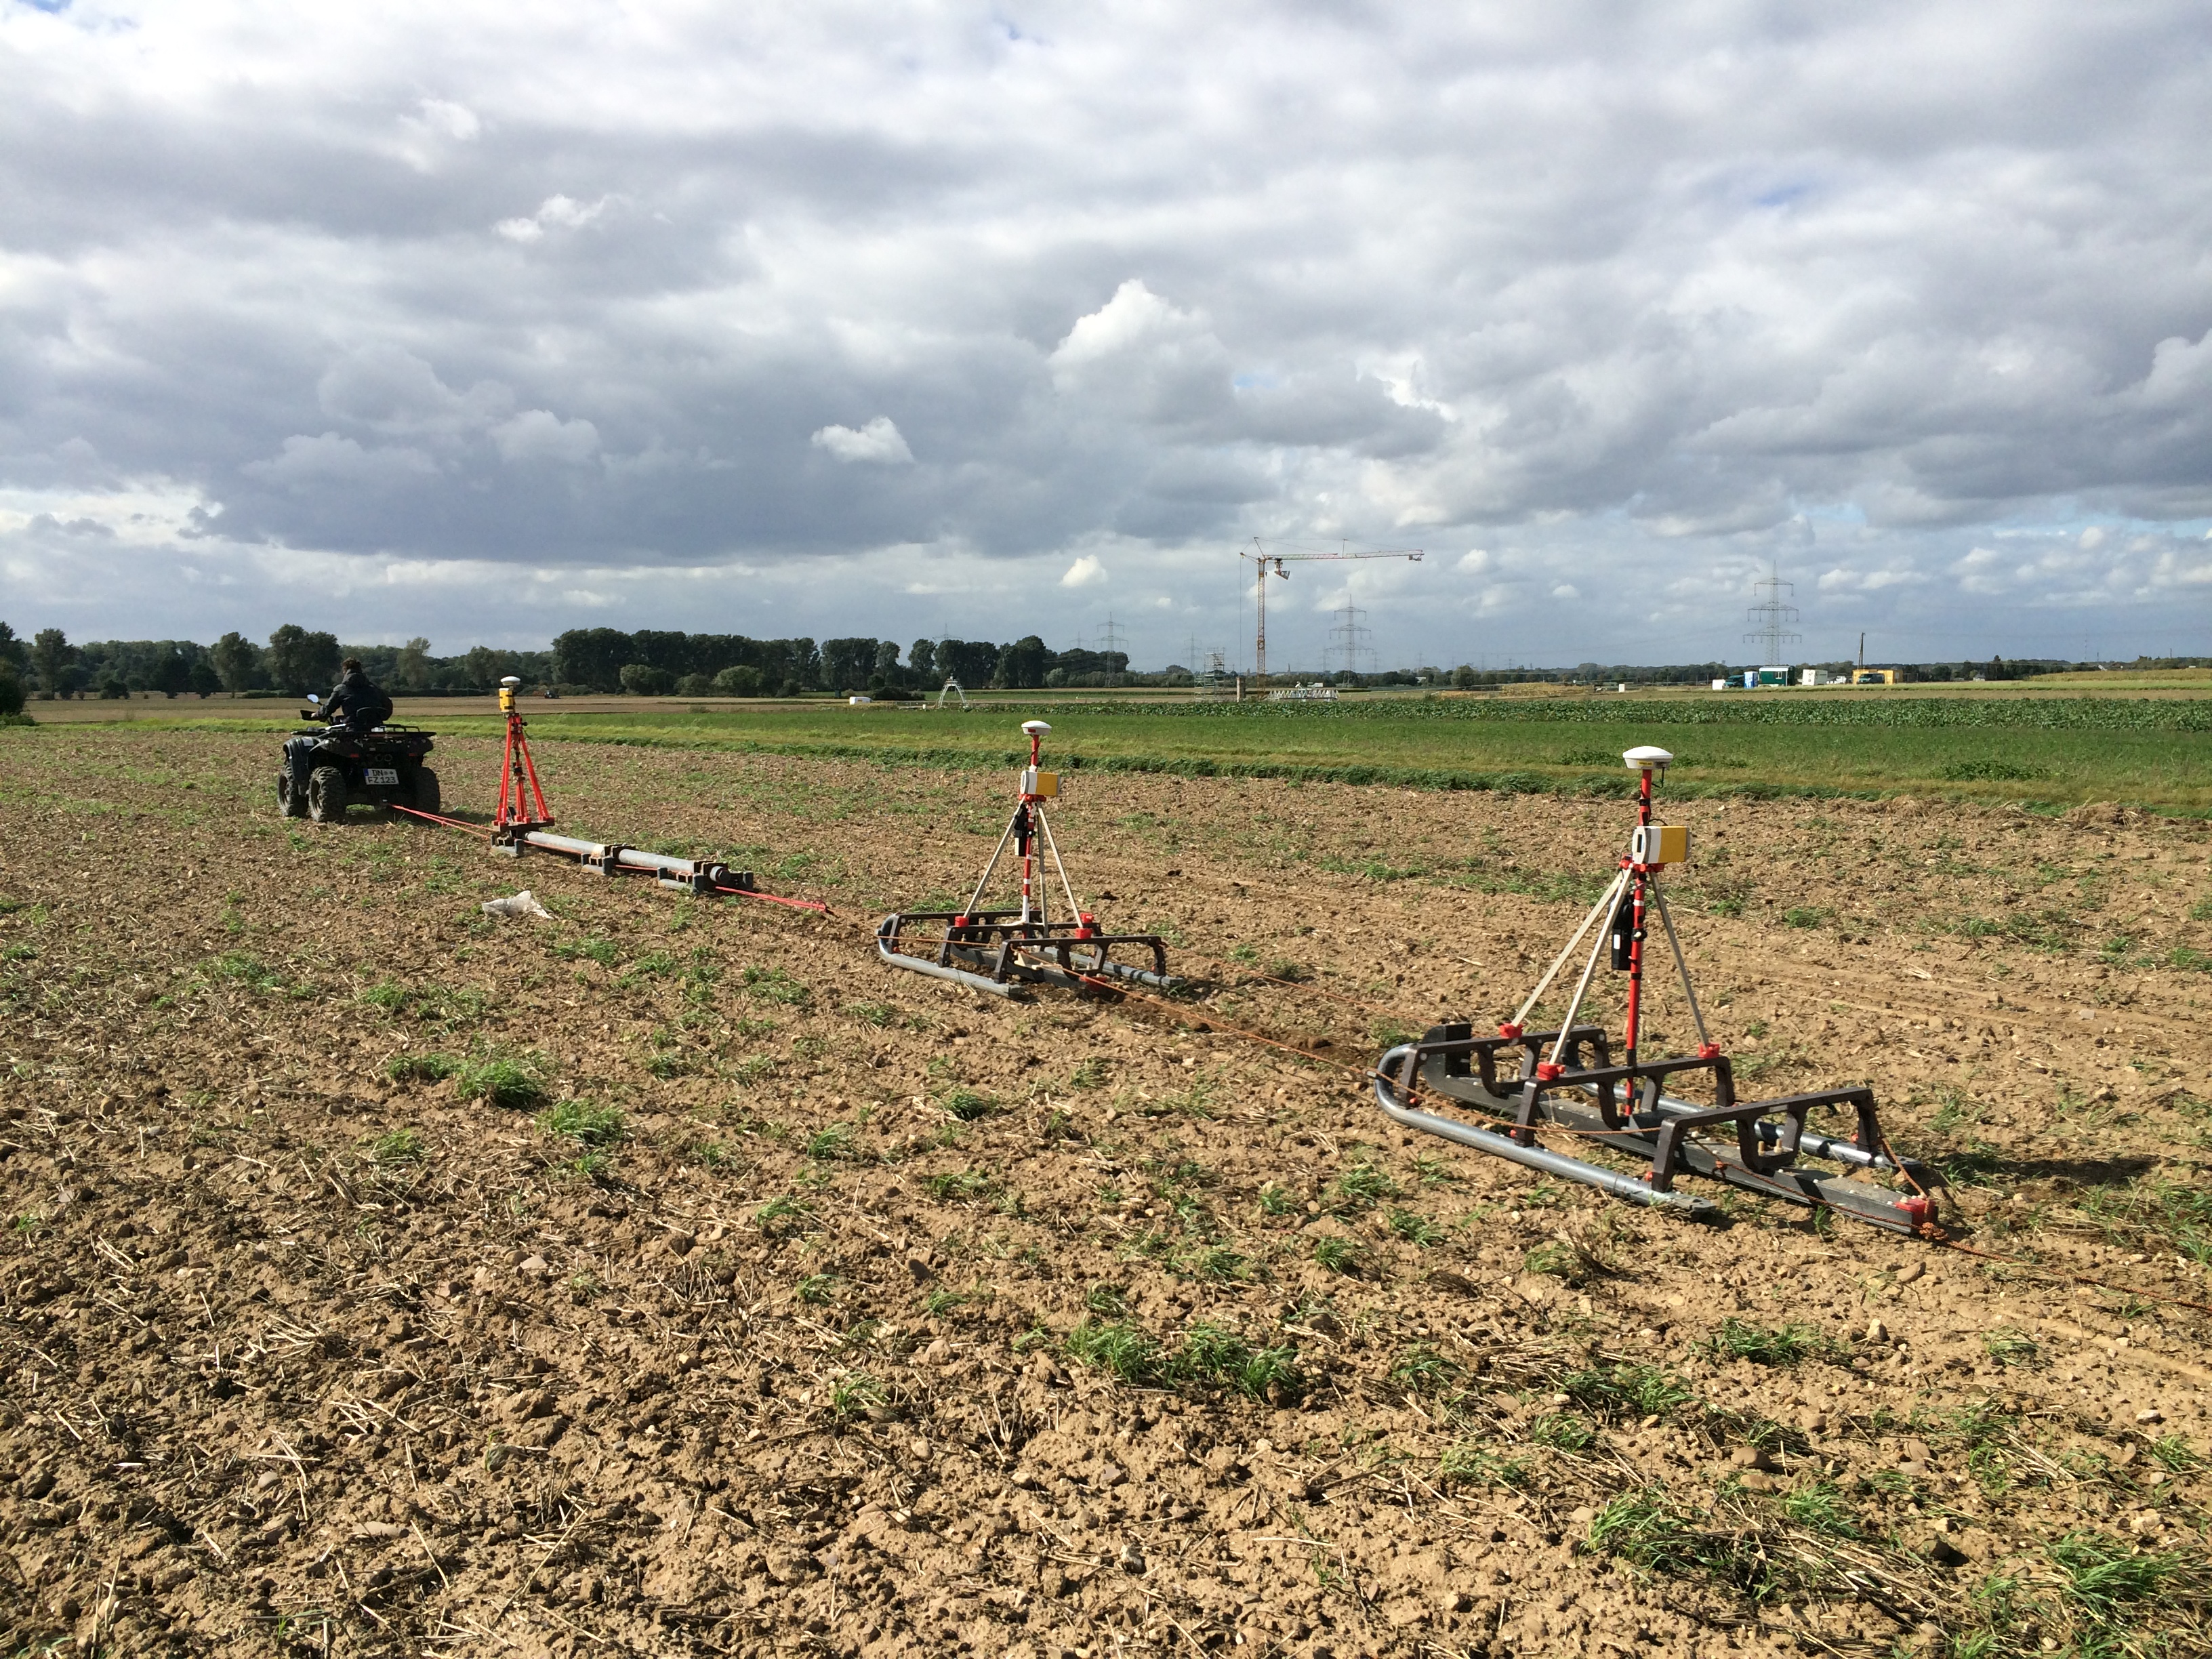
(1589, 968)
(1667, 922)
(1603, 907)
(976, 902)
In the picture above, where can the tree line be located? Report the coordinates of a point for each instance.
(294, 661)
(654, 662)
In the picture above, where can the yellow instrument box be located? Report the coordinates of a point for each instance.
(1040, 783)
(1659, 843)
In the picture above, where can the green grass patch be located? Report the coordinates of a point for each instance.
(1779, 1345)
(583, 1122)
(773, 985)
(399, 1146)
(966, 1104)
(1626, 1390)
(510, 1082)
(421, 1068)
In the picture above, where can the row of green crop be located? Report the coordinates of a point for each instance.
(2030, 714)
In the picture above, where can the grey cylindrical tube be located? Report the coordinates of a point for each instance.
(1535, 1157)
(630, 858)
(568, 844)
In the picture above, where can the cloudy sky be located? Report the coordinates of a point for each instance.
(484, 321)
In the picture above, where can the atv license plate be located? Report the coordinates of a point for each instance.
(381, 777)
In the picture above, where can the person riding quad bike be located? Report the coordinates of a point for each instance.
(356, 757)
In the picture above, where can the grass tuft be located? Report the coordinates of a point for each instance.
(583, 1121)
(421, 1068)
(1778, 1346)
(510, 1082)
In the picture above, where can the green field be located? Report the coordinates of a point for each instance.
(2042, 751)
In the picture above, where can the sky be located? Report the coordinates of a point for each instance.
(481, 322)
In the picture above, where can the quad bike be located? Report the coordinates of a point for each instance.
(381, 766)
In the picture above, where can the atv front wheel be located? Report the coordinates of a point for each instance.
(326, 794)
(426, 790)
(291, 799)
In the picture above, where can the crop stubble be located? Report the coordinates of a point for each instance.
(786, 1303)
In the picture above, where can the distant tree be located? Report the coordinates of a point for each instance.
(1021, 665)
(410, 669)
(592, 657)
(847, 664)
(643, 680)
(972, 662)
(741, 680)
(172, 672)
(113, 690)
(204, 681)
(887, 663)
(1463, 676)
(13, 651)
(53, 653)
(11, 689)
(237, 661)
(920, 656)
(300, 662)
(481, 665)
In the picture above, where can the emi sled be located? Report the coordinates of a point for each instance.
(994, 951)
(1566, 1084)
(522, 822)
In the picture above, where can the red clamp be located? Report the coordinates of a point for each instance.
(1088, 924)
(1547, 1072)
(1508, 1030)
(1709, 1051)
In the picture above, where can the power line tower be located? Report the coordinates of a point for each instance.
(1351, 645)
(1773, 617)
(1109, 641)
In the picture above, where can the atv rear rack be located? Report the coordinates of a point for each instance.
(1625, 1106)
(997, 951)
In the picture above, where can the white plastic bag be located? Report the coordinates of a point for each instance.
(520, 904)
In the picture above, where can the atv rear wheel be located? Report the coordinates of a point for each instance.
(326, 794)
(426, 790)
(291, 799)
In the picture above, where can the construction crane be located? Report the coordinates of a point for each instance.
(1263, 558)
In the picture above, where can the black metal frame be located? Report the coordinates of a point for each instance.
(1579, 1098)
(991, 949)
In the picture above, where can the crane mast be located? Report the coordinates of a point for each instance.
(1263, 559)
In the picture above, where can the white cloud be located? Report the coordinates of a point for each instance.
(538, 434)
(879, 442)
(1138, 357)
(555, 212)
(1085, 572)
(333, 458)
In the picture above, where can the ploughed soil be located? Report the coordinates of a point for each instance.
(668, 1276)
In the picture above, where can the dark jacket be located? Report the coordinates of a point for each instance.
(355, 701)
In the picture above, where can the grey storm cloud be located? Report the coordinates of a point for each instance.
(498, 320)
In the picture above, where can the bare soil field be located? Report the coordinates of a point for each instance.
(383, 1277)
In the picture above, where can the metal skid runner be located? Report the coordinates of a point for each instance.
(523, 823)
(995, 950)
(1567, 1082)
